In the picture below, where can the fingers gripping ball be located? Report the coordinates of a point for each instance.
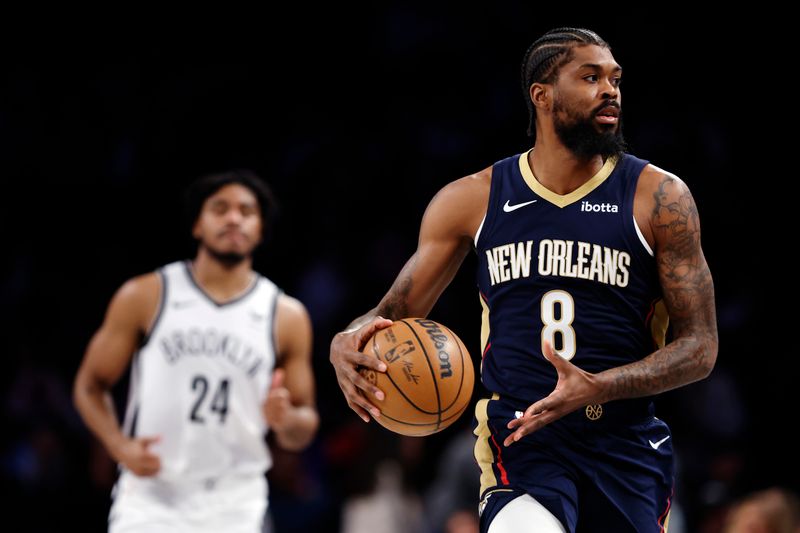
(429, 378)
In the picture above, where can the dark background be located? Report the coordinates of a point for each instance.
(356, 124)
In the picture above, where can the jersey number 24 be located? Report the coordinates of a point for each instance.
(218, 402)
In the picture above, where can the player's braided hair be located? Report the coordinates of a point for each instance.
(547, 55)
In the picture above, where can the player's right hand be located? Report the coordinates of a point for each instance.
(346, 358)
(134, 454)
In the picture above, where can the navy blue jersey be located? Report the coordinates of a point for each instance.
(573, 269)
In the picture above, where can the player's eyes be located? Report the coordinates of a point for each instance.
(219, 209)
(593, 78)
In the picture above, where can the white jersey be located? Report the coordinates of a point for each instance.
(201, 377)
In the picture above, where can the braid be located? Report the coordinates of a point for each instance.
(546, 56)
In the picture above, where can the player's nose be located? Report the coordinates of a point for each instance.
(233, 216)
(609, 90)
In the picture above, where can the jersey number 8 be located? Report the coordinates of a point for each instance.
(561, 325)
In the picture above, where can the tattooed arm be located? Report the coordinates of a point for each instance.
(445, 238)
(667, 216)
(688, 290)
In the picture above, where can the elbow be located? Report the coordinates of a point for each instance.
(86, 387)
(708, 356)
(706, 367)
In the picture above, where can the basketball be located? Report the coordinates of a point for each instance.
(428, 380)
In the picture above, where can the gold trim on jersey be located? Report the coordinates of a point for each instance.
(563, 200)
(484, 327)
(483, 450)
(666, 521)
(659, 323)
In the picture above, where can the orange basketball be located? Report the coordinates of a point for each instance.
(429, 377)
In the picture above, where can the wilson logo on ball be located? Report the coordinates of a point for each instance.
(439, 340)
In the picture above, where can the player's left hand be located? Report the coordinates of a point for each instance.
(575, 388)
(278, 406)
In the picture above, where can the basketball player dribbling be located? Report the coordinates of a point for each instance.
(584, 252)
(219, 356)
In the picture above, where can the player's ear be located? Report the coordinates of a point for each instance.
(196, 233)
(541, 94)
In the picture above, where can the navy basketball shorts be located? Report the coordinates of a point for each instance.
(603, 468)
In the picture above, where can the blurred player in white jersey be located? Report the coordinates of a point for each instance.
(219, 356)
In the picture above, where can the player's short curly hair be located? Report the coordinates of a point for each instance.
(199, 191)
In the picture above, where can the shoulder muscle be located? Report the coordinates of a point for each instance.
(459, 207)
(664, 206)
(127, 320)
(136, 302)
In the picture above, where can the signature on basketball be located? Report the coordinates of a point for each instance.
(408, 368)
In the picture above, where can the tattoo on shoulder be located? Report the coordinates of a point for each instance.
(685, 277)
(676, 217)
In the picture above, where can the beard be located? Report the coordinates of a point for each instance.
(581, 136)
(228, 259)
